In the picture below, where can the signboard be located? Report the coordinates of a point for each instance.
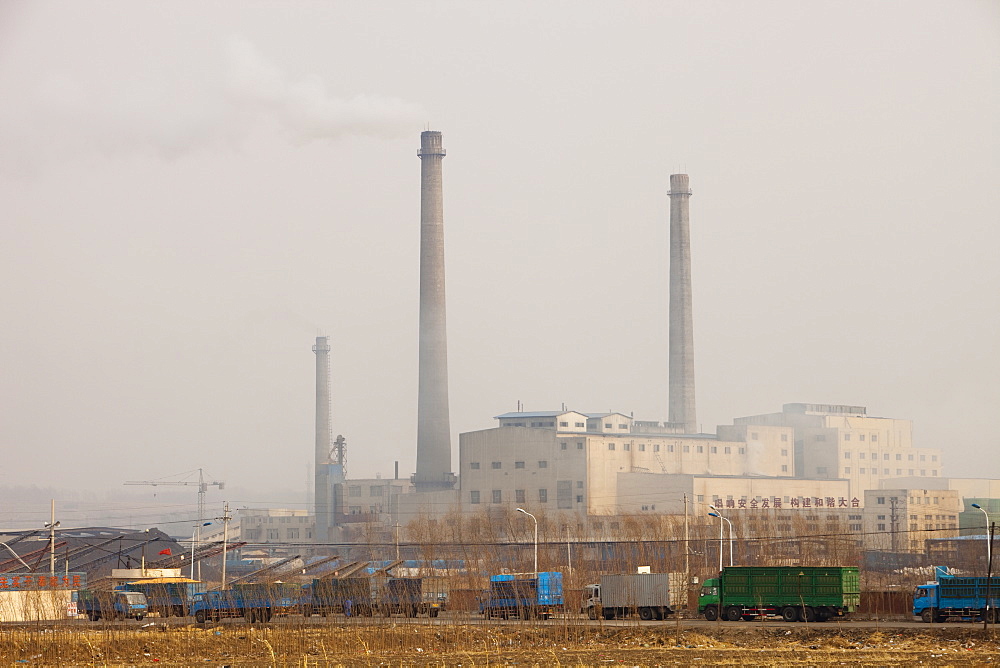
(36, 581)
(794, 502)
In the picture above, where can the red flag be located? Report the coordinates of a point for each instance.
(166, 551)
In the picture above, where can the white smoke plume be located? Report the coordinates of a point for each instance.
(223, 104)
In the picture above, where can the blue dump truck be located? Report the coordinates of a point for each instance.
(956, 596)
(523, 595)
(254, 602)
(111, 604)
(165, 597)
(352, 596)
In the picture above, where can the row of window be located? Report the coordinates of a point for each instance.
(885, 457)
(874, 471)
(357, 510)
(753, 437)
(275, 534)
(542, 464)
(374, 490)
(520, 496)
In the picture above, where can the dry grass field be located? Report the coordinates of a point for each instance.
(480, 645)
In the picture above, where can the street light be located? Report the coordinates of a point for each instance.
(989, 555)
(522, 510)
(989, 563)
(195, 540)
(720, 516)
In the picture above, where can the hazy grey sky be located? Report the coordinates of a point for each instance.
(191, 191)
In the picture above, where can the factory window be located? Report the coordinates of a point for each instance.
(847, 455)
(874, 438)
(847, 437)
(727, 450)
(543, 496)
(518, 496)
(564, 424)
(562, 446)
(611, 446)
(579, 498)
(497, 496)
(309, 534)
(626, 446)
(933, 458)
(862, 471)
(742, 450)
(934, 472)
(623, 426)
(819, 437)
(579, 484)
(854, 527)
(580, 424)
(875, 456)
(474, 466)
(899, 471)
(885, 471)
(670, 448)
(784, 452)
(687, 448)
(607, 425)
(519, 465)
(375, 509)
(474, 496)
(713, 449)
(701, 498)
(543, 464)
(579, 445)
(880, 501)
(861, 455)
(354, 490)
(753, 436)
(881, 527)
(352, 510)
(911, 472)
(861, 437)
(642, 447)
(820, 470)
(272, 534)
(923, 458)
(847, 470)
(784, 468)
(899, 458)
(909, 457)
(376, 490)
(496, 465)
(885, 457)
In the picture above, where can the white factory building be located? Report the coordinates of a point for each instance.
(610, 463)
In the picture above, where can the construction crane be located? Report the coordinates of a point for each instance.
(201, 483)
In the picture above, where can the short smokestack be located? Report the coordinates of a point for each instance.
(324, 431)
(681, 321)
(433, 423)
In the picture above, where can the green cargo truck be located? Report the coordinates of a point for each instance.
(796, 593)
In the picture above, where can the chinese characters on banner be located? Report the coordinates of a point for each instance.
(24, 581)
(794, 502)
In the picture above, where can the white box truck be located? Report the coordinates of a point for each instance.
(618, 596)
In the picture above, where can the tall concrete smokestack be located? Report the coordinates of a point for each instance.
(324, 432)
(433, 423)
(681, 321)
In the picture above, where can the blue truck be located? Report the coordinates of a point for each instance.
(956, 596)
(523, 595)
(165, 597)
(111, 604)
(253, 602)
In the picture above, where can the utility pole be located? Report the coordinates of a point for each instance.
(687, 555)
(51, 526)
(990, 610)
(225, 539)
(893, 527)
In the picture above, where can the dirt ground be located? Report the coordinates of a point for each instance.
(411, 645)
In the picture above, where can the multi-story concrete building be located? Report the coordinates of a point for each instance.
(835, 441)
(902, 520)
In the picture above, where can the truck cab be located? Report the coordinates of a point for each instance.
(112, 605)
(925, 603)
(708, 600)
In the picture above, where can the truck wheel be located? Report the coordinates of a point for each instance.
(200, 616)
(433, 612)
(307, 611)
(789, 614)
(138, 618)
(645, 614)
(609, 614)
(711, 613)
(807, 614)
(733, 614)
(928, 616)
(592, 613)
(824, 614)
